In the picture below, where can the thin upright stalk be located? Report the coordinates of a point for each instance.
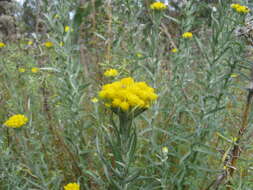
(233, 156)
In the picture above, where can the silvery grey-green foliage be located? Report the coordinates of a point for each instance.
(201, 96)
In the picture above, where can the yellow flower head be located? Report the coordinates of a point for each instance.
(174, 50)
(235, 5)
(2, 44)
(111, 73)
(67, 28)
(240, 8)
(139, 55)
(48, 44)
(94, 100)
(21, 70)
(234, 75)
(127, 94)
(159, 6)
(61, 44)
(56, 16)
(72, 186)
(30, 43)
(187, 35)
(35, 70)
(165, 150)
(16, 121)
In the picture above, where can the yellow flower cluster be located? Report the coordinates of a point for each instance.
(127, 94)
(187, 35)
(72, 186)
(240, 8)
(2, 44)
(48, 44)
(16, 121)
(159, 6)
(111, 73)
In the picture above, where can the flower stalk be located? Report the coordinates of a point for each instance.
(126, 99)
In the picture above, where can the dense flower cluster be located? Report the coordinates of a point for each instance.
(16, 121)
(240, 8)
(72, 186)
(127, 94)
(158, 6)
(187, 35)
(111, 73)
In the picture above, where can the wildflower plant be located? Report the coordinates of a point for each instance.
(124, 137)
(127, 99)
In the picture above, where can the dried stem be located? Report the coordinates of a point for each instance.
(109, 41)
(57, 136)
(233, 156)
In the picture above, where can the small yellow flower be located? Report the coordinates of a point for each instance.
(234, 75)
(94, 100)
(67, 28)
(139, 55)
(21, 70)
(2, 44)
(159, 6)
(72, 186)
(174, 50)
(107, 105)
(56, 16)
(111, 73)
(187, 35)
(165, 150)
(30, 43)
(61, 44)
(35, 70)
(48, 44)
(16, 121)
